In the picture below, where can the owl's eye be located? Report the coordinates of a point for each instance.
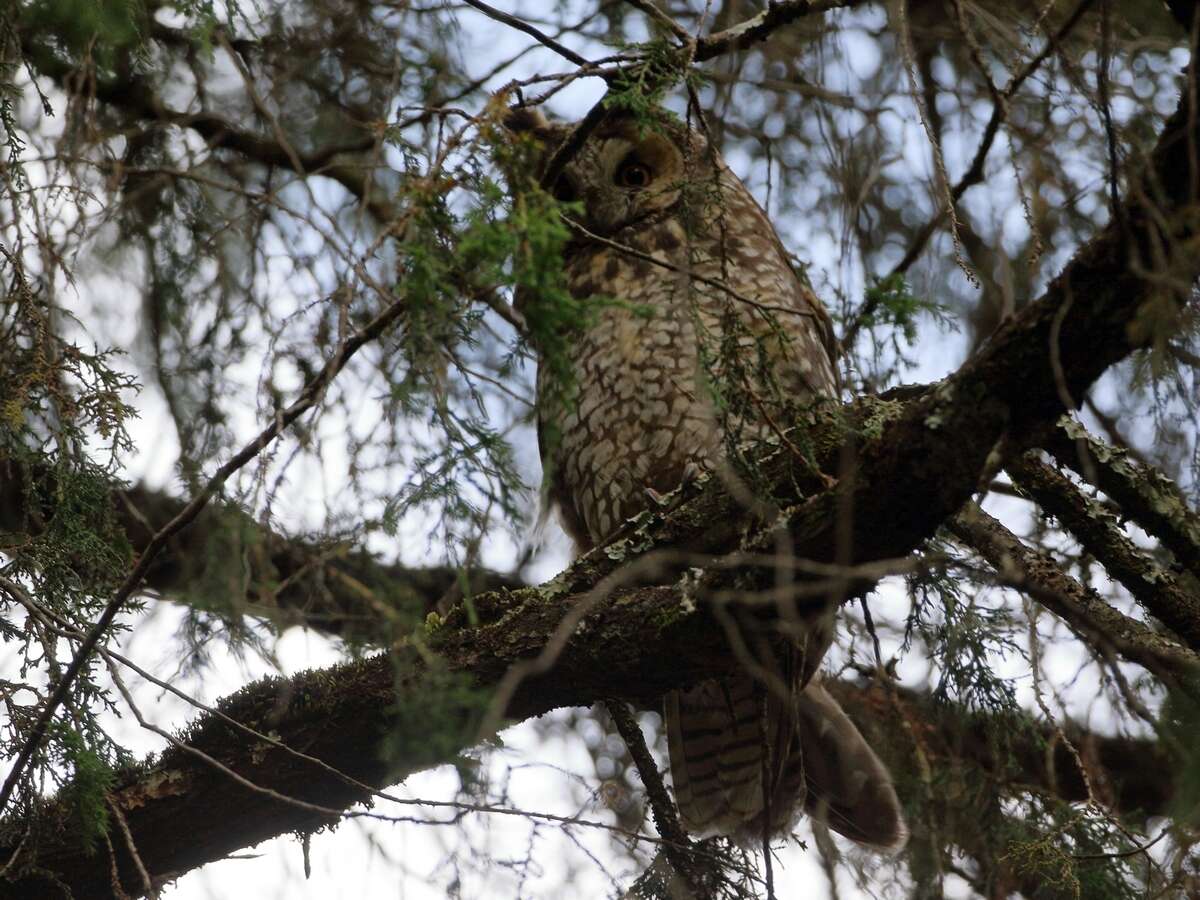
(634, 174)
(564, 190)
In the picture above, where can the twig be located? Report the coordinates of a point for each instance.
(262, 108)
(147, 882)
(677, 845)
(653, 12)
(1134, 852)
(520, 25)
(759, 28)
(974, 173)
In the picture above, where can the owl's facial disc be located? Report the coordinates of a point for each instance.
(628, 177)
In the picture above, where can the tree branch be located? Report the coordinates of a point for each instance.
(327, 585)
(760, 27)
(178, 810)
(1145, 494)
(1083, 609)
(1152, 586)
(1140, 768)
(135, 95)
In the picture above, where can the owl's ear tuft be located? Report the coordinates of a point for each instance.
(525, 120)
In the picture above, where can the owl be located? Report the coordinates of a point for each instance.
(698, 339)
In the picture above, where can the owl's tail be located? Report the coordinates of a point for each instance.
(728, 738)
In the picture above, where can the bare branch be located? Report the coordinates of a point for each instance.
(1084, 610)
(760, 27)
(520, 25)
(1145, 494)
(1101, 536)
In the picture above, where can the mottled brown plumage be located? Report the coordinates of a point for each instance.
(702, 333)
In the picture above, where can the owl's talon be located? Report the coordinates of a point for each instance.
(656, 498)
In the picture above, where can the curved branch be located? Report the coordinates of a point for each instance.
(327, 585)
(1145, 494)
(1156, 589)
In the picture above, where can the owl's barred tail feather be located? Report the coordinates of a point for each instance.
(716, 735)
(726, 737)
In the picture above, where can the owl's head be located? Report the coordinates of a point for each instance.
(625, 172)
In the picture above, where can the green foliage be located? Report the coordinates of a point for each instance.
(891, 302)
(640, 89)
(96, 28)
(738, 363)
(10, 59)
(63, 416)
(527, 246)
(86, 793)
(54, 394)
(231, 565)
(448, 257)
(1079, 853)
(964, 637)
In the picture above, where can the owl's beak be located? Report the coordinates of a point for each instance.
(605, 213)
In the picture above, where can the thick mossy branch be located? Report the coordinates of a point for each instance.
(375, 721)
(371, 720)
(183, 811)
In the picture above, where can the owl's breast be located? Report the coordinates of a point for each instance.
(635, 418)
(686, 346)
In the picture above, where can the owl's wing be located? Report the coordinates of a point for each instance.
(822, 321)
(803, 298)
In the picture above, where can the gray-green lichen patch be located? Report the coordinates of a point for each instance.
(689, 584)
(879, 414)
(943, 396)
